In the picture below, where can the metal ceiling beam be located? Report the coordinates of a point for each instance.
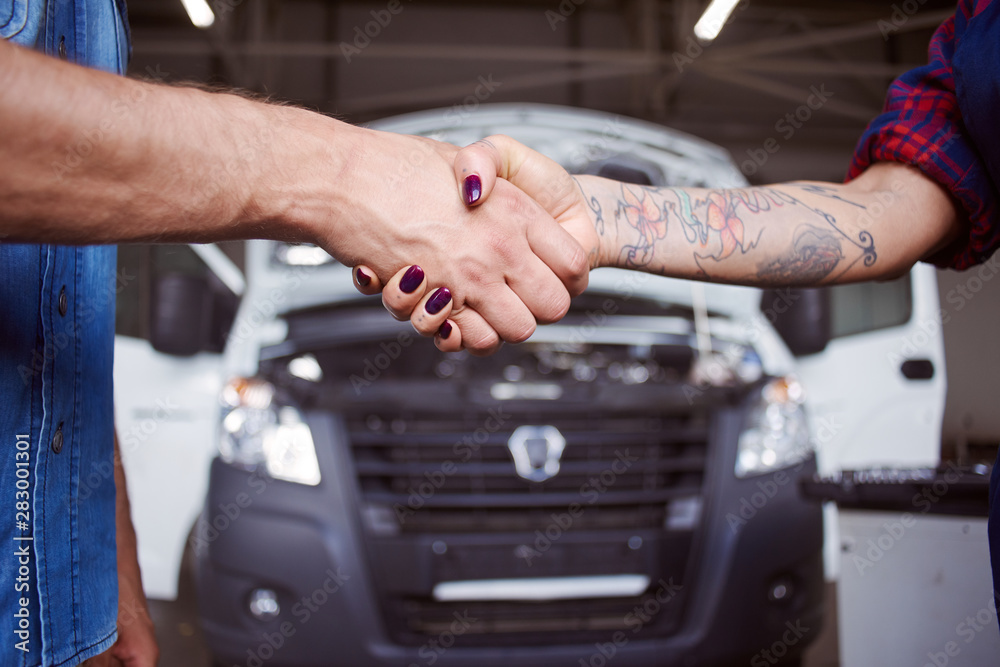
(742, 52)
(407, 52)
(813, 66)
(451, 92)
(787, 92)
(824, 36)
(875, 89)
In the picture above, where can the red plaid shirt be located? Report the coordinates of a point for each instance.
(924, 124)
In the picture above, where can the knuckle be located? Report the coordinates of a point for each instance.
(483, 344)
(521, 331)
(578, 265)
(554, 309)
(516, 206)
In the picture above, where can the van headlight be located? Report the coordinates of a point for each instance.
(777, 434)
(257, 430)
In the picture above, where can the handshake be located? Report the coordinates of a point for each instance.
(479, 244)
(512, 246)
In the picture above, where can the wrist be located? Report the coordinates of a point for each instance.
(599, 206)
(299, 173)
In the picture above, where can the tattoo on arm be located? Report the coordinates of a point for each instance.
(595, 207)
(814, 255)
(643, 210)
(594, 204)
(715, 225)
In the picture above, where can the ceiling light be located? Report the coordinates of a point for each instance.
(199, 12)
(710, 24)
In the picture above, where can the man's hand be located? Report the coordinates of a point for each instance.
(135, 161)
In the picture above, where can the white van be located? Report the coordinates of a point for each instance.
(336, 467)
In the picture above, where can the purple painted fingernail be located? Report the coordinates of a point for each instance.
(445, 330)
(473, 189)
(363, 278)
(411, 279)
(438, 300)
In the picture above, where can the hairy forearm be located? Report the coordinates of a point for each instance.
(789, 234)
(89, 157)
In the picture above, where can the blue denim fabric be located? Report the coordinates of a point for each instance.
(58, 576)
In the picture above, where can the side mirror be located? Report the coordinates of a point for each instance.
(180, 314)
(801, 316)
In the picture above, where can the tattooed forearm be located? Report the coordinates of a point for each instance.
(789, 234)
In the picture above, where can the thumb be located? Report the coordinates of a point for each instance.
(476, 168)
(478, 165)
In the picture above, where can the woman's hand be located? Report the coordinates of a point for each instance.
(477, 168)
(407, 295)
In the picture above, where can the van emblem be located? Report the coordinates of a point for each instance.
(537, 451)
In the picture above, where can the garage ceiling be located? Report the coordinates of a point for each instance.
(636, 58)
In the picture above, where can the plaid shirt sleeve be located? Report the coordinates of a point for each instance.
(922, 125)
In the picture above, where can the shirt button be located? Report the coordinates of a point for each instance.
(57, 439)
(62, 47)
(63, 301)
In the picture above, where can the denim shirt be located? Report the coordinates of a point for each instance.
(58, 575)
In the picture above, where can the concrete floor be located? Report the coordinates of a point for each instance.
(182, 644)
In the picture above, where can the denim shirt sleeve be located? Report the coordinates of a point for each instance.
(58, 581)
